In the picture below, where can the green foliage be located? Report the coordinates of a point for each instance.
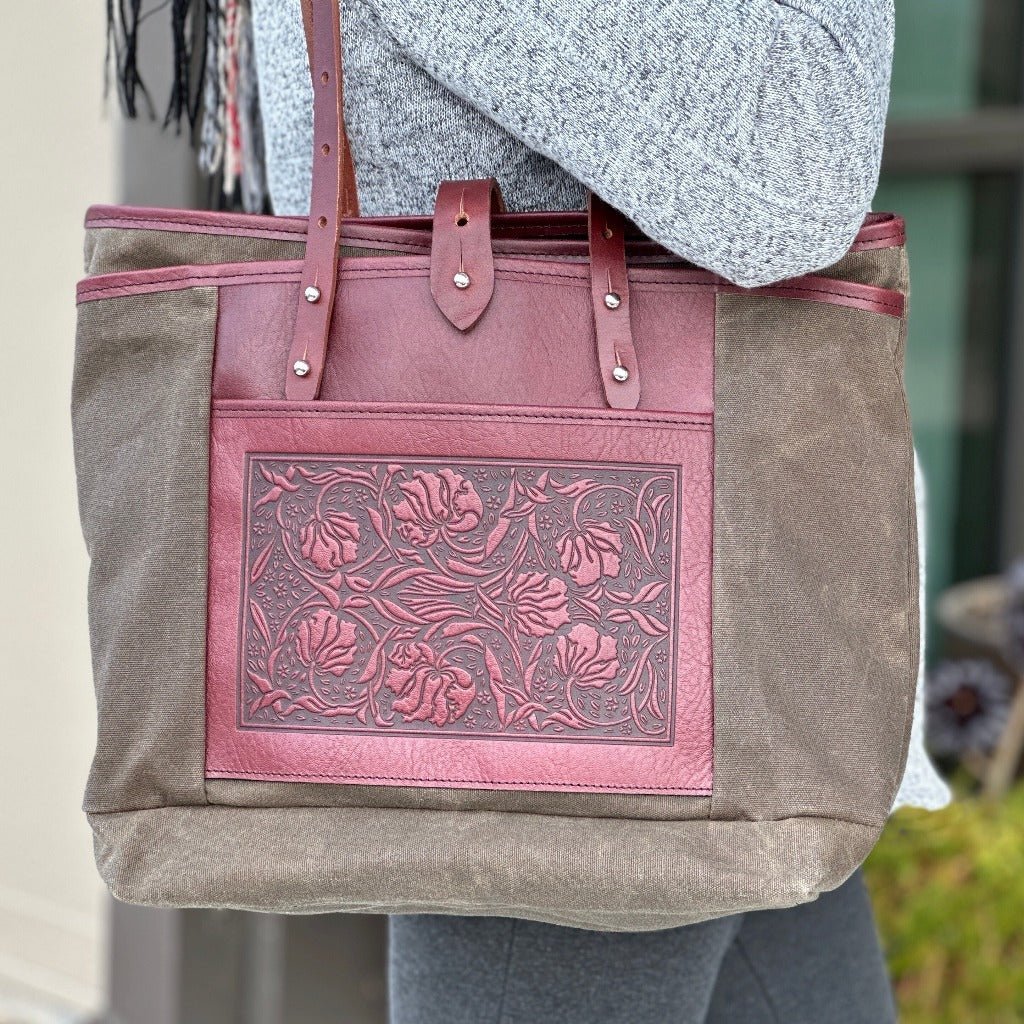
(948, 890)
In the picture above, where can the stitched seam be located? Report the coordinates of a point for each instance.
(133, 224)
(781, 289)
(172, 227)
(129, 223)
(187, 282)
(874, 826)
(891, 308)
(589, 814)
(885, 306)
(474, 782)
(226, 280)
(223, 413)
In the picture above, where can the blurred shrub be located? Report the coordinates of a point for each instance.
(948, 889)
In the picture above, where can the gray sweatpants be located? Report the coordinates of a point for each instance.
(816, 964)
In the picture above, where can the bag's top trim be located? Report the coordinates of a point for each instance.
(160, 279)
(559, 233)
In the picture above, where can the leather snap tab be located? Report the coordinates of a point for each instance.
(461, 256)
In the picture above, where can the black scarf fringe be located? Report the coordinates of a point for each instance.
(188, 28)
(195, 102)
(188, 34)
(123, 21)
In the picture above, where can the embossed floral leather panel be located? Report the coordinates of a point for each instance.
(412, 612)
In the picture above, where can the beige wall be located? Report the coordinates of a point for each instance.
(58, 154)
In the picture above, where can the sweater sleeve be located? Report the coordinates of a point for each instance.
(744, 135)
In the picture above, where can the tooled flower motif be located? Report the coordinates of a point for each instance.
(427, 686)
(591, 553)
(325, 642)
(329, 540)
(539, 603)
(587, 658)
(437, 503)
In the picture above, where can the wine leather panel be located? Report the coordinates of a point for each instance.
(446, 597)
(535, 345)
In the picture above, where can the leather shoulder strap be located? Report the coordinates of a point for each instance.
(332, 197)
(349, 194)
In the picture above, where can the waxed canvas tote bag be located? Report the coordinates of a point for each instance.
(491, 564)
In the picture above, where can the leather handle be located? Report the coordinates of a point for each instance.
(462, 276)
(348, 198)
(333, 196)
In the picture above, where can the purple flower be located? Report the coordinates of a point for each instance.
(587, 658)
(539, 603)
(967, 702)
(591, 553)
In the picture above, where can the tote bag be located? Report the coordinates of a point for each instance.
(489, 564)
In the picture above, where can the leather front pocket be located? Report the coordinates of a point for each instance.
(460, 597)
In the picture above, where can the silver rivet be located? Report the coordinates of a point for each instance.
(620, 374)
(312, 293)
(301, 367)
(462, 279)
(613, 301)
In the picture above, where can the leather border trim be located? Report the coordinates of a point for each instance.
(880, 230)
(244, 407)
(811, 288)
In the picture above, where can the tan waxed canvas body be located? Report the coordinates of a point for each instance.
(814, 629)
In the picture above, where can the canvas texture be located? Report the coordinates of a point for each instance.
(813, 618)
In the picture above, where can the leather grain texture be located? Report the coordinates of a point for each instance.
(536, 345)
(493, 603)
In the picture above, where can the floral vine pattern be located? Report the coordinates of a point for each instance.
(507, 599)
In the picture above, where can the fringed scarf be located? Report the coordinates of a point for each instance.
(214, 91)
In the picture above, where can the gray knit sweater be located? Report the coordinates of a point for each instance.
(745, 135)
